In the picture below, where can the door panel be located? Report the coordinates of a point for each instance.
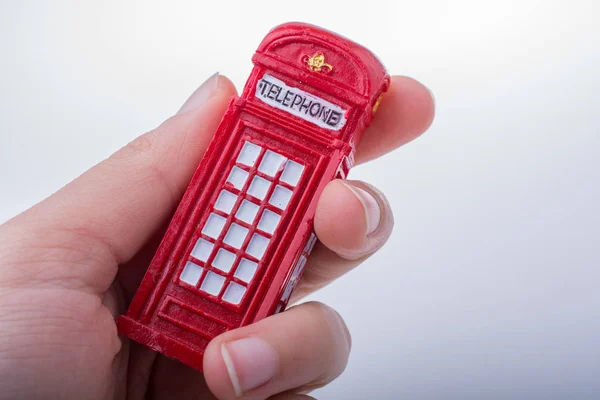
(230, 252)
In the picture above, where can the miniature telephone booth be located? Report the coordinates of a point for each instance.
(240, 238)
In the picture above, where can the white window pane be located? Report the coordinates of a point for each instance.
(313, 240)
(202, 249)
(247, 211)
(237, 177)
(288, 291)
(292, 172)
(223, 260)
(249, 154)
(212, 283)
(191, 273)
(280, 197)
(299, 267)
(236, 235)
(213, 225)
(269, 221)
(246, 270)
(271, 163)
(310, 243)
(225, 201)
(307, 245)
(257, 246)
(234, 293)
(259, 187)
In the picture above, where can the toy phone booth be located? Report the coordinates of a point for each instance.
(240, 239)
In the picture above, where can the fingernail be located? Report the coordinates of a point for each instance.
(370, 206)
(250, 362)
(202, 94)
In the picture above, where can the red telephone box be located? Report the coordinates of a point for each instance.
(242, 233)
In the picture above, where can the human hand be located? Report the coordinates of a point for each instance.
(71, 264)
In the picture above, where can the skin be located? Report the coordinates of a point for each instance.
(71, 264)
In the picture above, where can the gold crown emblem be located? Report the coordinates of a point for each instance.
(317, 63)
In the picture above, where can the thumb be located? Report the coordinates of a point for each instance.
(108, 213)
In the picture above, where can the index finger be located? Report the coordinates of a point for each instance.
(407, 110)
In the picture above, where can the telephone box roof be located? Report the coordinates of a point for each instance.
(347, 64)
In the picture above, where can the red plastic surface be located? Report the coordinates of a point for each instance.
(239, 240)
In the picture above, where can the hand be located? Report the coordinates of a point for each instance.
(71, 264)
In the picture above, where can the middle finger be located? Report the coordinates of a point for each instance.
(352, 221)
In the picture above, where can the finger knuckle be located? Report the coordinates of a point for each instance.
(142, 144)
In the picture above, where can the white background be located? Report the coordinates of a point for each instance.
(489, 287)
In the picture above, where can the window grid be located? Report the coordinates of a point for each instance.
(231, 218)
(296, 273)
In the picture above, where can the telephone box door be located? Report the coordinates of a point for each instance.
(247, 206)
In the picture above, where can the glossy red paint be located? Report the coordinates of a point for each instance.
(238, 242)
